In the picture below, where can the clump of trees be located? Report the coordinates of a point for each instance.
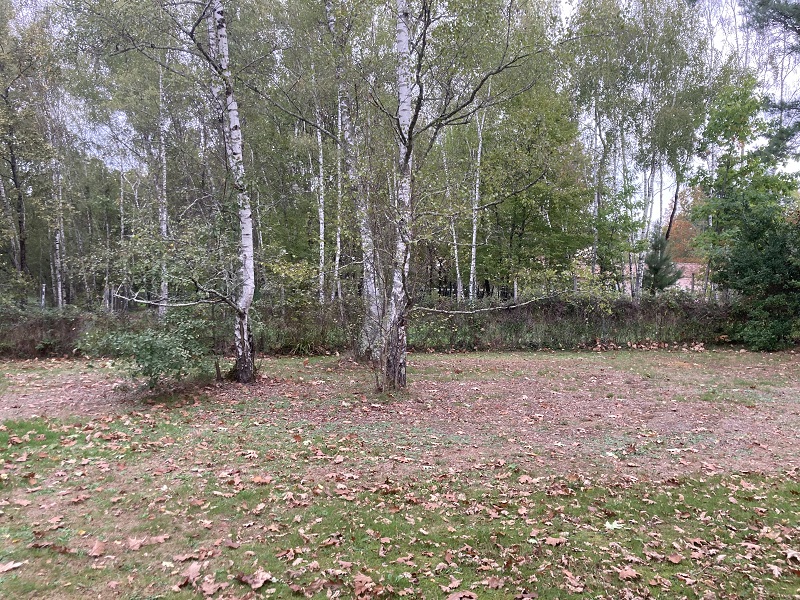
(348, 161)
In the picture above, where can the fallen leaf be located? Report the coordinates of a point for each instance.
(97, 549)
(10, 566)
(135, 544)
(158, 539)
(463, 596)
(185, 557)
(494, 582)
(776, 570)
(363, 585)
(574, 584)
(209, 587)
(628, 574)
(257, 579)
(454, 583)
(192, 572)
(674, 558)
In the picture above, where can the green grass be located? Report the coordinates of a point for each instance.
(248, 482)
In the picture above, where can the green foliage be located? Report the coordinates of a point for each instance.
(749, 218)
(175, 349)
(661, 271)
(573, 321)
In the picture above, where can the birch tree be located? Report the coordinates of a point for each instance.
(244, 369)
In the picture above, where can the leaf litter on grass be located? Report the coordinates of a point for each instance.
(265, 486)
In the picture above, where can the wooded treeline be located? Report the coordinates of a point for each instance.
(236, 160)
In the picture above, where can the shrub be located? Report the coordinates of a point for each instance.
(176, 348)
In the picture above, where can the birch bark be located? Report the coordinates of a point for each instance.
(336, 288)
(449, 198)
(161, 185)
(476, 203)
(320, 184)
(398, 306)
(244, 369)
(58, 250)
(371, 338)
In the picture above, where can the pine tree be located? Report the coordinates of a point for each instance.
(660, 270)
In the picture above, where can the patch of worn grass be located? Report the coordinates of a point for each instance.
(223, 496)
(231, 496)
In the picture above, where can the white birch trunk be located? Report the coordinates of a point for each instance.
(476, 203)
(647, 217)
(371, 337)
(321, 206)
(58, 250)
(162, 196)
(398, 306)
(244, 370)
(449, 198)
(336, 288)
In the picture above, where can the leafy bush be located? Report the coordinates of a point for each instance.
(770, 323)
(175, 349)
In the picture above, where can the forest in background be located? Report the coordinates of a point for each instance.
(185, 179)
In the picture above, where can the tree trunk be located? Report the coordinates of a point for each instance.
(449, 199)
(58, 250)
(12, 226)
(320, 185)
(371, 337)
(398, 307)
(21, 225)
(336, 288)
(244, 369)
(161, 185)
(476, 201)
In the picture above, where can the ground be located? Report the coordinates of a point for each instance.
(634, 473)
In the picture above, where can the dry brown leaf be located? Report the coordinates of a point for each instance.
(494, 582)
(97, 549)
(10, 566)
(185, 557)
(551, 541)
(454, 583)
(135, 544)
(463, 596)
(192, 572)
(675, 558)
(257, 579)
(574, 584)
(626, 573)
(158, 539)
(363, 585)
(209, 587)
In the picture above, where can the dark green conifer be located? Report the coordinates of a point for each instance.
(660, 270)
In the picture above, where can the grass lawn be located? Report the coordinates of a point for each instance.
(543, 475)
